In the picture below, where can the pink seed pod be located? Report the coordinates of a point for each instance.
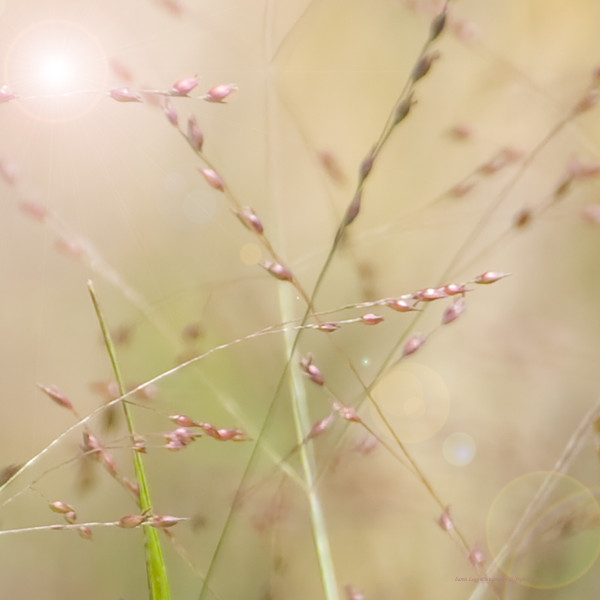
(34, 210)
(445, 520)
(163, 521)
(312, 371)
(413, 344)
(476, 556)
(232, 435)
(328, 327)
(437, 26)
(353, 209)
(124, 95)
(424, 65)
(489, 277)
(6, 95)
(454, 311)
(278, 271)
(462, 188)
(139, 444)
(133, 486)
(461, 132)
(371, 319)
(580, 170)
(249, 219)
(591, 214)
(109, 462)
(452, 289)
(430, 294)
(60, 507)
(132, 521)
(180, 437)
(90, 443)
(171, 114)
(399, 305)
(70, 247)
(466, 31)
(346, 412)
(85, 532)
(219, 93)
(9, 171)
(184, 86)
(213, 178)
(320, 427)
(194, 134)
(52, 392)
(70, 517)
(352, 593)
(587, 102)
(184, 421)
(403, 109)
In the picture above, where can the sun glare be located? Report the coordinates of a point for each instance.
(57, 69)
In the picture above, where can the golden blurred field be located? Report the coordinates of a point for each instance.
(485, 407)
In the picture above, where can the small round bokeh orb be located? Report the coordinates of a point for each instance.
(415, 401)
(560, 539)
(459, 449)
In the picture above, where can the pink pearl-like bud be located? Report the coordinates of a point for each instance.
(132, 521)
(490, 277)
(346, 412)
(371, 319)
(278, 271)
(194, 134)
(413, 344)
(52, 392)
(61, 507)
(163, 521)
(220, 92)
(399, 305)
(249, 219)
(213, 178)
(184, 86)
(320, 427)
(85, 532)
(328, 327)
(171, 114)
(184, 421)
(124, 95)
(445, 520)
(454, 311)
(6, 94)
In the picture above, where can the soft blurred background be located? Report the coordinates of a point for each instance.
(108, 191)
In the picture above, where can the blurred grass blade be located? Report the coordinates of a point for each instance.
(156, 570)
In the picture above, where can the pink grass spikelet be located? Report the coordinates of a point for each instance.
(352, 593)
(455, 310)
(85, 532)
(184, 421)
(278, 271)
(34, 210)
(399, 305)
(489, 277)
(445, 520)
(328, 327)
(109, 462)
(413, 344)
(346, 412)
(9, 171)
(320, 427)
(371, 319)
(6, 94)
(52, 392)
(249, 219)
(163, 521)
(184, 86)
(430, 294)
(70, 517)
(424, 65)
(213, 178)
(171, 114)
(353, 209)
(60, 507)
(219, 93)
(132, 521)
(312, 371)
(476, 556)
(194, 134)
(124, 95)
(452, 289)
